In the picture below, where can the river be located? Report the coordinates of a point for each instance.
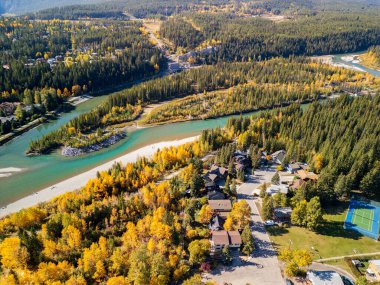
(42, 171)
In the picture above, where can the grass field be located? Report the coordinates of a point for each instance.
(329, 241)
(363, 218)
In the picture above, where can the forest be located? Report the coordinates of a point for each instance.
(263, 84)
(123, 106)
(46, 62)
(338, 138)
(278, 83)
(126, 227)
(249, 38)
(371, 58)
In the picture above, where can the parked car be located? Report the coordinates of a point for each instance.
(269, 223)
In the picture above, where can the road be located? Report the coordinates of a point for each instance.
(248, 273)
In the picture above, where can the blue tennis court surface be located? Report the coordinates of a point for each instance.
(363, 216)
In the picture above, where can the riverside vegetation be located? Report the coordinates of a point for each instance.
(125, 227)
(257, 85)
(45, 62)
(371, 58)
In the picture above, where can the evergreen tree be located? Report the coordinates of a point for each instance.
(248, 240)
(276, 179)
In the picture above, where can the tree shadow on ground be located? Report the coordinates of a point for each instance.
(335, 229)
(277, 230)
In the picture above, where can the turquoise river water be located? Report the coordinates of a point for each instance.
(41, 171)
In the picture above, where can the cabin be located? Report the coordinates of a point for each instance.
(274, 189)
(307, 176)
(216, 195)
(282, 215)
(220, 239)
(219, 206)
(211, 186)
(278, 157)
(374, 269)
(216, 223)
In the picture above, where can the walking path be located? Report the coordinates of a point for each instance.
(343, 256)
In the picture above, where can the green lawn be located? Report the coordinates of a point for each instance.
(329, 241)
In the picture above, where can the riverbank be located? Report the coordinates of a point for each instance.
(79, 181)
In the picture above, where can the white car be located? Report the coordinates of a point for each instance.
(269, 223)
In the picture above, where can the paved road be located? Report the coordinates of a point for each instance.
(264, 254)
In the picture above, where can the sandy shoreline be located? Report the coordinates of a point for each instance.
(80, 180)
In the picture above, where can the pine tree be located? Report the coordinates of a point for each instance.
(248, 240)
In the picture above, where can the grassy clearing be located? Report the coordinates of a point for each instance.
(329, 241)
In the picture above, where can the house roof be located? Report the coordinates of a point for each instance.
(210, 184)
(376, 263)
(297, 183)
(273, 189)
(220, 238)
(216, 222)
(282, 212)
(215, 195)
(219, 170)
(304, 175)
(235, 237)
(211, 176)
(324, 277)
(222, 205)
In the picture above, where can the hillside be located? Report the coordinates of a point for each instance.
(23, 6)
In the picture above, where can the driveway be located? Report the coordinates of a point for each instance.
(264, 254)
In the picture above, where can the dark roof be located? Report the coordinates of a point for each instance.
(210, 184)
(216, 223)
(283, 212)
(215, 195)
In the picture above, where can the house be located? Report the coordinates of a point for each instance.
(211, 186)
(374, 268)
(282, 215)
(240, 167)
(174, 67)
(222, 238)
(220, 206)
(324, 277)
(274, 189)
(296, 184)
(278, 157)
(221, 172)
(293, 167)
(286, 179)
(216, 223)
(235, 239)
(219, 239)
(211, 177)
(216, 195)
(306, 176)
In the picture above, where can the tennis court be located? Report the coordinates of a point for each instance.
(363, 216)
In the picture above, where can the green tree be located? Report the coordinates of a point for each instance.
(276, 179)
(370, 184)
(198, 250)
(19, 113)
(343, 185)
(194, 280)
(248, 240)
(267, 208)
(226, 255)
(299, 214)
(314, 215)
(139, 272)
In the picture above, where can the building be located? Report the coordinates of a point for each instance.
(274, 189)
(278, 157)
(216, 195)
(374, 268)
(294, 167)
(307, 176)
(216, 223)
(282, 215)
(211, 186)
(222, 238)
(324, 277)
(220, 206)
